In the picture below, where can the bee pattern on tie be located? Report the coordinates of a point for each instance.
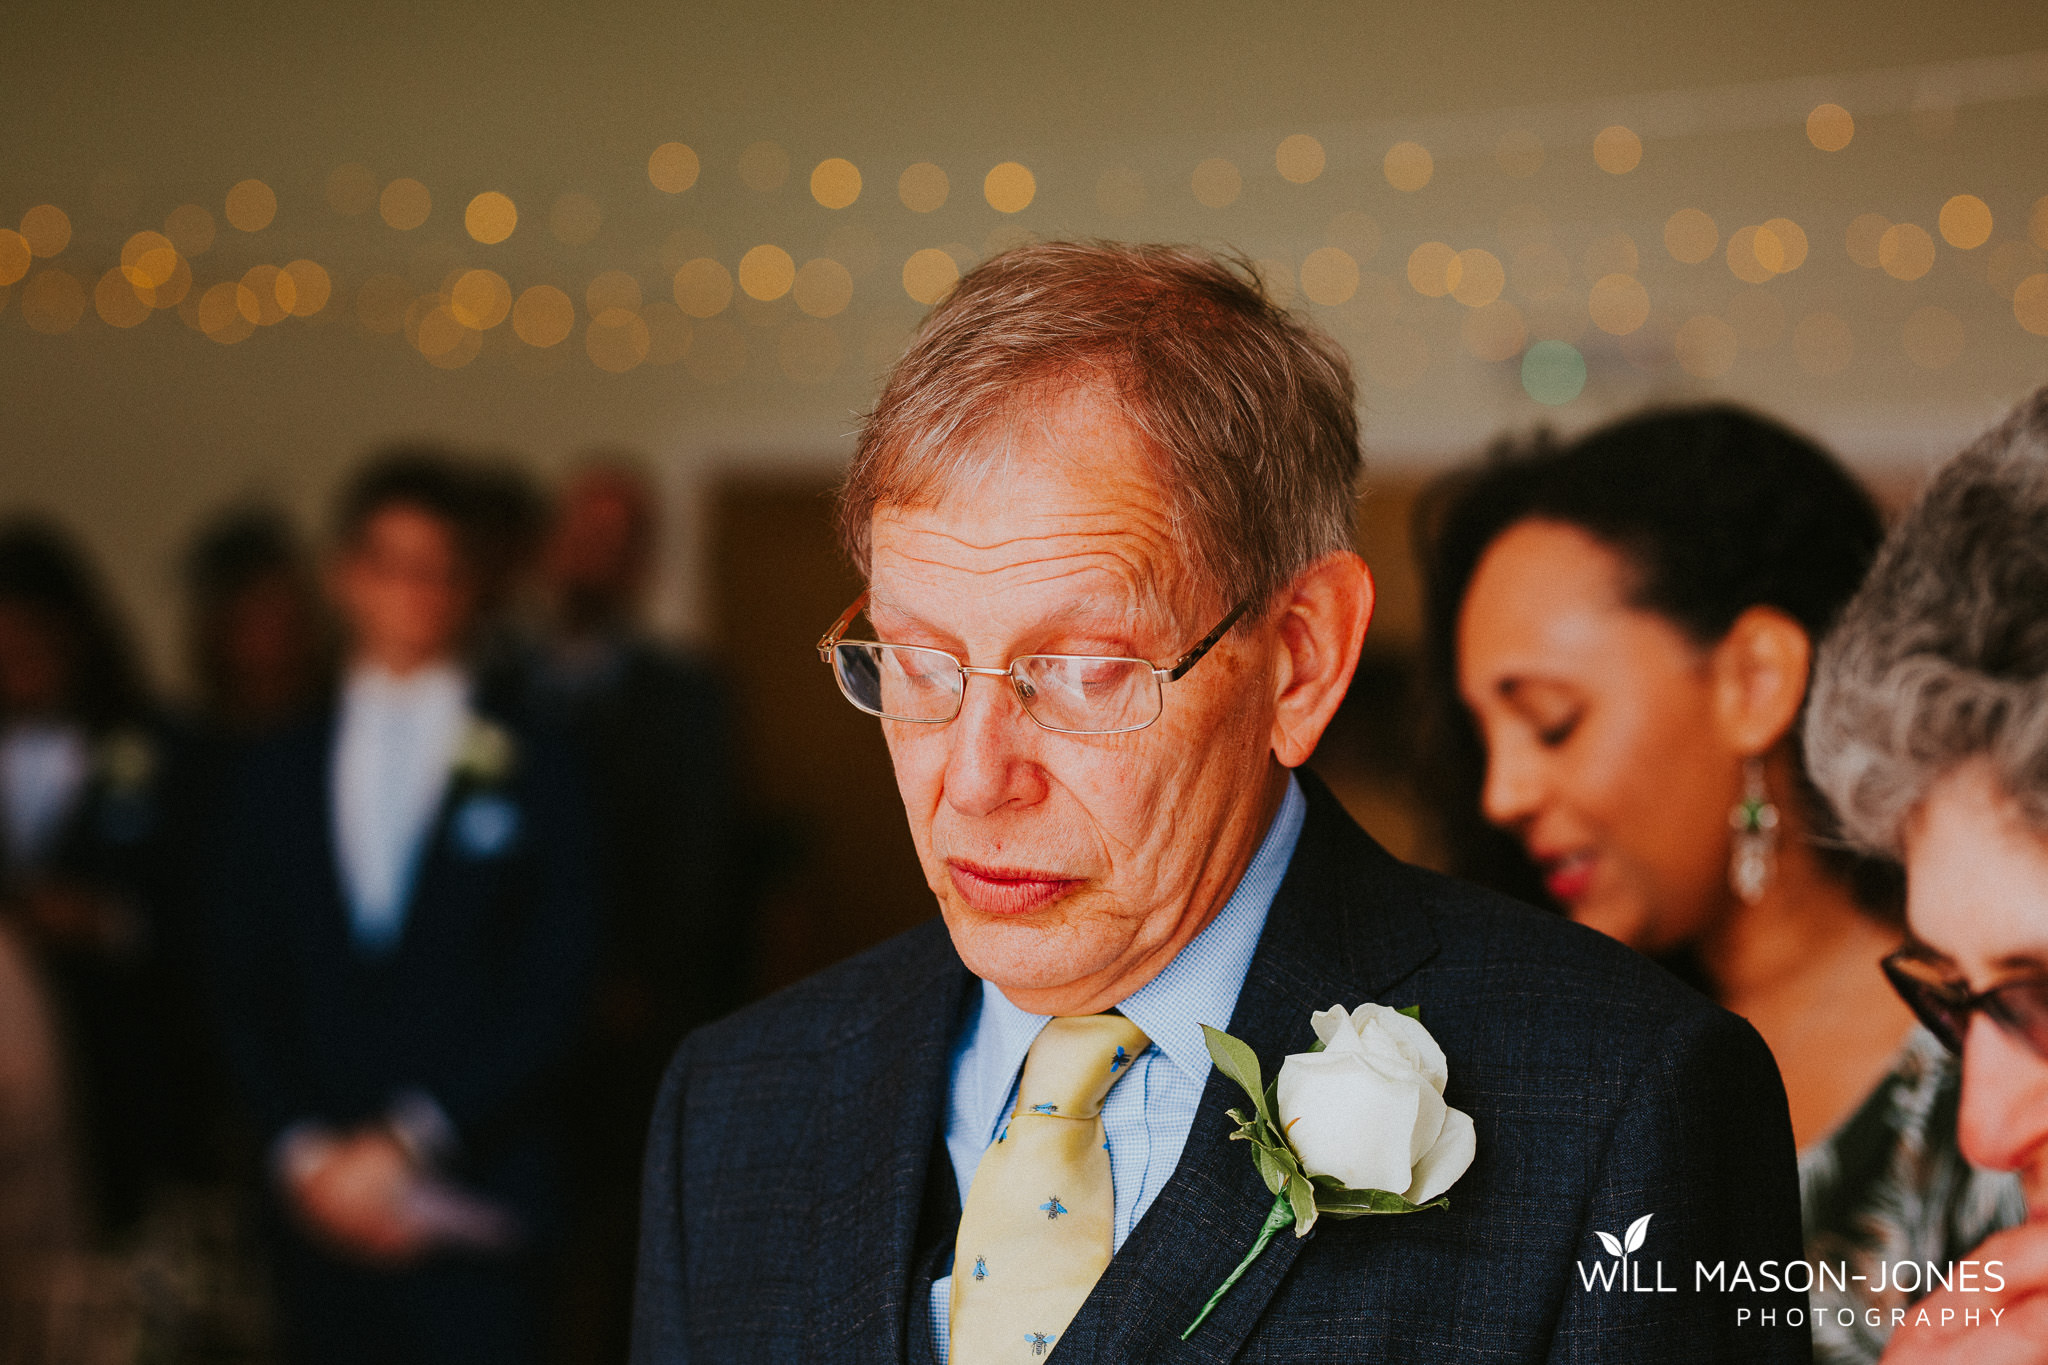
(1040, 1206)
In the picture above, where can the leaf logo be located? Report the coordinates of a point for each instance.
(1631, 1240)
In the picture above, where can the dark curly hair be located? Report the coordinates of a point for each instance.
(1716, 510)
(46, 572)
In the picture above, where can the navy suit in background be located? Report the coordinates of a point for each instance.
(476, 1005)
(798, 1203)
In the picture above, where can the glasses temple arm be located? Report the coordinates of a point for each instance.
(1208, 642)
(831, 637)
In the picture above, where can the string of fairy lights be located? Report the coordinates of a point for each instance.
(1528, 303)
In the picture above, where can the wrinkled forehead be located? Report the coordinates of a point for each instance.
(1061, 496)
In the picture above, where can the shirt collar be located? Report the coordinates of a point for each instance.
(372, 685)
(1200, 986)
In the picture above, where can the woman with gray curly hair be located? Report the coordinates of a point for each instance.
(1928, 730)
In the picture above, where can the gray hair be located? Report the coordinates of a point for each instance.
(1942, 655)
(1249, 412)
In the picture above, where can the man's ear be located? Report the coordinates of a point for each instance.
(1321, 624)
(1759, 670)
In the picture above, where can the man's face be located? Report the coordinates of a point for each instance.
(404, 588)
(597, 552)
(1070, 868)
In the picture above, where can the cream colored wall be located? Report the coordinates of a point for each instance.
(119, 113)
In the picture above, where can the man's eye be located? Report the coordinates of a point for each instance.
(1557, 732)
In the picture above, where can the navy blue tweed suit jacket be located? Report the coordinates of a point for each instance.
(794, 1148)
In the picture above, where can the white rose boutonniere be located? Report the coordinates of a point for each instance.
(1354, 1126)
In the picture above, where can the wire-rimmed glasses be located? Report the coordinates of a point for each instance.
(1069, 694)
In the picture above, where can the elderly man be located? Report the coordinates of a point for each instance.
(1104, 512)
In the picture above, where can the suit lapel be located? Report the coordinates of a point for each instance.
(874, 1148)
(1330, 930)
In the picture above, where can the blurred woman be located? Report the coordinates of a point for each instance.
(1621, 632)
(80, 757)
(1929, 731)
(261, 646)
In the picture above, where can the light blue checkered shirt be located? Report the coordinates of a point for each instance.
(1149, 1112)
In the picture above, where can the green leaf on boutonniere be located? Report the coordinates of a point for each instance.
(1241, 1064)
(1335, 1199)
(1412, 1011)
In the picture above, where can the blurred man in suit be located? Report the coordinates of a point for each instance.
(653, 725)
(405, 932)
(1104, 509)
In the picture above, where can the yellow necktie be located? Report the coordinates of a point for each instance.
(1035, 1235)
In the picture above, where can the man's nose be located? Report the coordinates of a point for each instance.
(2003, 1121)
(993, 760)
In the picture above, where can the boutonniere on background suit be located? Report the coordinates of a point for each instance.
(487, 821)
(1355, 1125)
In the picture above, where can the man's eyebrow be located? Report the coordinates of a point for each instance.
(2021, 962)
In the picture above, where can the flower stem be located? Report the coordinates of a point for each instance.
(1279, 1216)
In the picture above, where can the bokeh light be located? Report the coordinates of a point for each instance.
(1781, 245)
(1906, 251)
(1494, 333)
(1743, 261)
(835, 182)
(823, 287)
(1553, 373)
(491, 217)
(1476, 277)
(175, 287)
(1120, 192)
(220, 313)
(480, 299)
(612, 289)
(616, 341)
(1519, 153)
(115, 300)
(405, 204)
(1408, 166)
(1329, 276)
(444, 341)
(1830, 127)
(311, 287)
(190, 229)
(1705, 346)
(1823, 344)
(1619, 304)
(767, 272)
(1690, 236)
(672, 168)
(2037, 223)
(922, 187)
(1965, 223)
(928, 274)
(1299, 158)
(764, 166)
(352, 189)
(251, 206)
(702, 287)
(544, 316)
(267, 295)
(1009, 187)
(2029, 304)
(15, 256)
(1617, 150)
(1933, 338)
(47, 229)
(2010, 262)
(1216, 183)
(1432, 269)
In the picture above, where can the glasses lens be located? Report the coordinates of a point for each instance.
(1088, 696)
(1939, 1004)
(2022, 1008)
(899, 682)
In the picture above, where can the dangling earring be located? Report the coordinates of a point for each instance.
(1754, 856)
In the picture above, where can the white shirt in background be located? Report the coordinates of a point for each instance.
(394, 748)
(43, 769)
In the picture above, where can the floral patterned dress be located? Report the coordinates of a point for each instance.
(1889, 1185)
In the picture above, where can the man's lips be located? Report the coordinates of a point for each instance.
(1567, 876)
(1006, 890)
